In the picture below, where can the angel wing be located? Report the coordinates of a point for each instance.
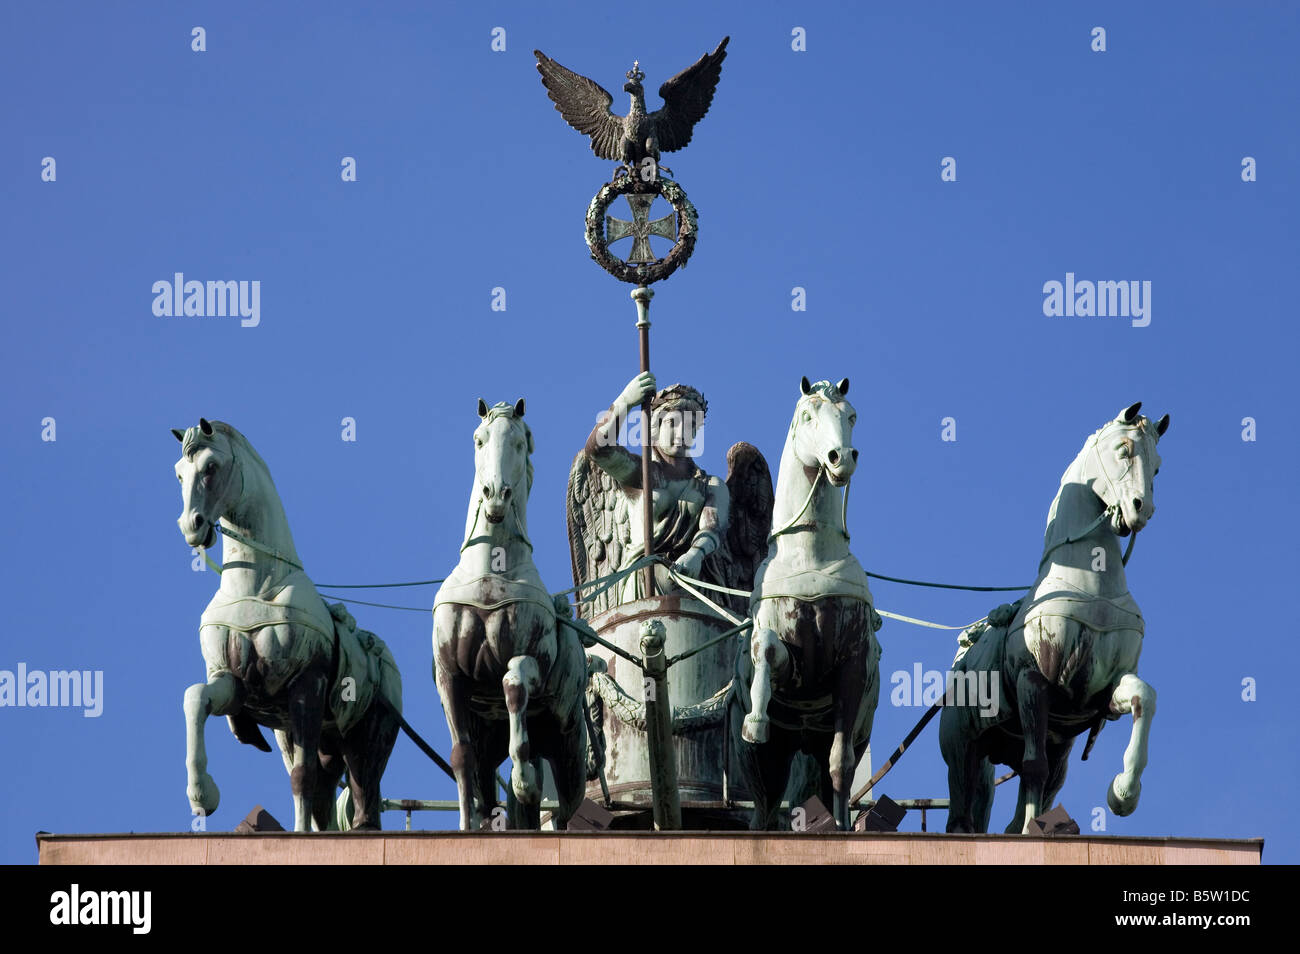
(749, 482)
(600, 526)
(584, 104)
(687, 97)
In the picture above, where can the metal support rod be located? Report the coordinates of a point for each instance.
(452, 805)
(642, 295)
(896, 755)
(729, 634)
(659, 729)
(618, 651)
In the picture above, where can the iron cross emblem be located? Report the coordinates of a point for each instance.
(640, 228)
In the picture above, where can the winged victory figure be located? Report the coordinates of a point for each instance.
(584, 104)
(712, 529)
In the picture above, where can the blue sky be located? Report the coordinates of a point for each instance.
(818, 169)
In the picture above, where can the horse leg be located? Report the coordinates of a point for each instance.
(819, 753)
(519, 815)
(286, 749)
(570, 771)
(306, 712)
(1132, 695)
(970, 776)
(981, 788)
(841, 762)
(1058, 761)
(1034, 699)
(771, 662)
(329, 771)
(772, 762)
(569, 767)
(365, 752)
(455, 704)
(491, 749)
(217, 697)
(521, 680)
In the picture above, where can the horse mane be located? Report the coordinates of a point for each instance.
(242, 446)
(827, 390)
(1076, 472)
(1140, 424)
(822, 389)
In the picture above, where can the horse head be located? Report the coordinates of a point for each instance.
(1123, 465)
(207, 472)
(822, 430)
(503, 467)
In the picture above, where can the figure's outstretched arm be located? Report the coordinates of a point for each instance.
(712, 528)
(602, 444)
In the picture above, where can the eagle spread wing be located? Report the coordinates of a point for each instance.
(600, 526)
(687, 97)
(584, 104)
(749, 482)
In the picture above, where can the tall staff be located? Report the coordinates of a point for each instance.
(636, 140)
(642, 295)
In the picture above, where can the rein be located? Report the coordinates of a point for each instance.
(934, 709)
(253, 544)
(1128, 551)
(1106, 514)
(519, 523)
(794, 521)
(238, 537)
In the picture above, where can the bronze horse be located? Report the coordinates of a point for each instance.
(277, 655)
(811, 678)
(511, 680)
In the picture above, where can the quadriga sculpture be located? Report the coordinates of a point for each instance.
(1064, 657)
(510, 680)
(277, 655)
(811, 678)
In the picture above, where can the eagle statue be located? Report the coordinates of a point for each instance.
(584, 104)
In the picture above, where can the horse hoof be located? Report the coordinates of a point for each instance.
(754, 730)
(204, 795)
(1122, 801)
(523, 779)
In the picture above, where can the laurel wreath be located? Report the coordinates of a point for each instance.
(642, 273)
